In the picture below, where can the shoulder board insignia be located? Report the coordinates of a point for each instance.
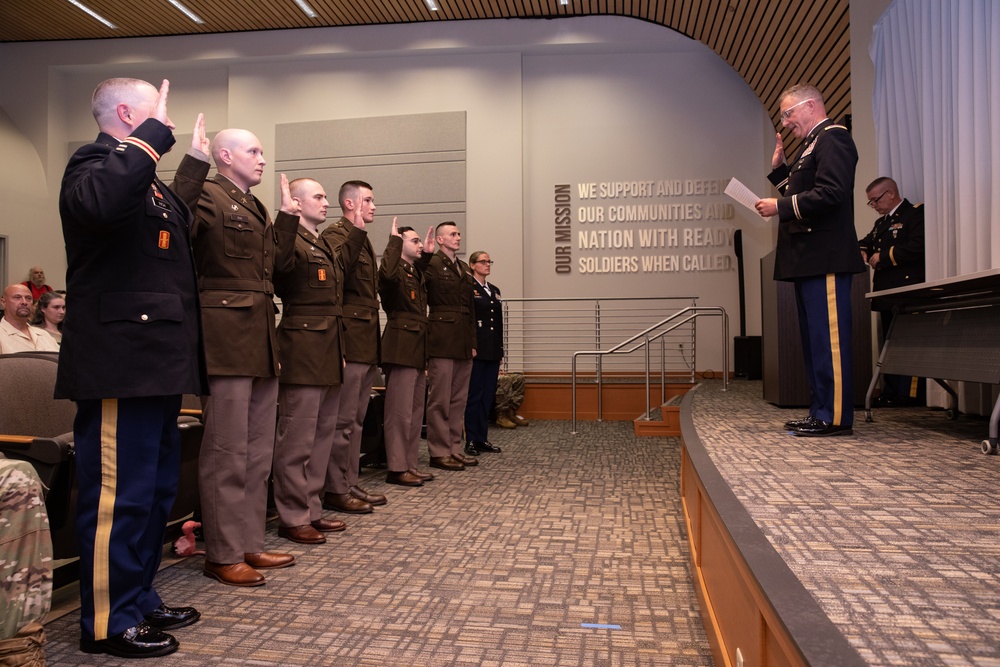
(834, 127)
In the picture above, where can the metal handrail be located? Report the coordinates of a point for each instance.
(689, 314)
(537, 331)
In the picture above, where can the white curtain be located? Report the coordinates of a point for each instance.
(937, 123)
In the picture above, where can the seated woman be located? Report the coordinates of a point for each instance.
(50, 311)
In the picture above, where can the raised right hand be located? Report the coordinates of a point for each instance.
(778, 158)
(160, 106)
(199, 139)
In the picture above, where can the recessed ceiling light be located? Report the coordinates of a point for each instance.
(94, 14)
(431, 5)
(185, 11)
(306, 9)
(564, 2)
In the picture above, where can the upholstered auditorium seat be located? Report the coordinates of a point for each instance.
(35, 427)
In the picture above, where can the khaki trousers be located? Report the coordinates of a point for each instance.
(234, 464)
(449, 391)
(307, 422)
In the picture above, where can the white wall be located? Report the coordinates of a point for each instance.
(570, 101)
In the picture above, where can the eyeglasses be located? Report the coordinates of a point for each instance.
(787, 113)
(483, 261)
(873, 202)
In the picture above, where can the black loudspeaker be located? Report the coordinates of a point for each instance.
(747, 359)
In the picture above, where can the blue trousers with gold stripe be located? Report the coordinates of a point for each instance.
(824, 305)
(128, 464)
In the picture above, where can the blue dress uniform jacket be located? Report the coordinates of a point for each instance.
(236, 261)
(899, 239)
(816, 234)
(489, 322)
(127, 356)
(360, 307)
(130, 268)
(451, 327)
(310, 340)
(404, 299)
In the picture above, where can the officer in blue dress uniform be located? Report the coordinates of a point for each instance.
(817, 251)
(489, 354)
(127, 356)
(894, 248)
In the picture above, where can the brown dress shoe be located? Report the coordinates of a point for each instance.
(329, 525)
(446, 463)
(268, 560)
(302, 534)
(375, 499)
(425, 476)
(404, 478)
(521, 421)
(345, 502)
(465, 460)
(237, 574)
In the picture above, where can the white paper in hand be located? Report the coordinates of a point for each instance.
(742, 194)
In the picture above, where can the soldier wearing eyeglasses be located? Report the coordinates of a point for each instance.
(489, 354)
(817, 252)
(894, 248)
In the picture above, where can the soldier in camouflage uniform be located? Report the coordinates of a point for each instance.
(510, 395)
(25, 564)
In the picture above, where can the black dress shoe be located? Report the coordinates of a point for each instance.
(822, 429)
(798, 423)
(139, 641)
(470, 449)
(171, 618)
(486, 446)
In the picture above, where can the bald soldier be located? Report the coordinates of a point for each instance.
(312, 363)
(237, 250)
(15, 333)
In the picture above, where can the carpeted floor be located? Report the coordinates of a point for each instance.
(895, 530)
(504, 564)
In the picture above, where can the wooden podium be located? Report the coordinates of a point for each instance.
(785, 382)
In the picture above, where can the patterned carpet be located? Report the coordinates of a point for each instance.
(895, 531)
(508, 564)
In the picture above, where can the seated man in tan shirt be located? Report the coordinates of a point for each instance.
(15, 333)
